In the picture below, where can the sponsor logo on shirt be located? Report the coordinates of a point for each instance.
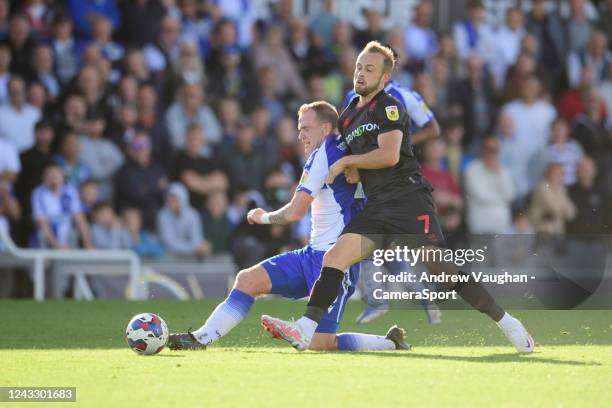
(392, 112)
(358, 131)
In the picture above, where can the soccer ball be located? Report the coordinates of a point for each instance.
(146, 334)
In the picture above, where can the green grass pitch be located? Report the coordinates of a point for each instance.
(465, 361)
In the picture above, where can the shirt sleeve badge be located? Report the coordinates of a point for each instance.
(392, 113)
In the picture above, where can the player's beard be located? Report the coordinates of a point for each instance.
(369, 89)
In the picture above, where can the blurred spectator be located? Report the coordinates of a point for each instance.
(5, 10)
(474, 36)
(43, 70)
(421, 41)
(532, 116)
(240, 13)
(196, 168)
(245, 162)
(135, 66)
(40, 14)
(229, 116)
(195, 25)
(290, 152)
(160, 54)
(473, 98)
(102, 33)
(323, 23)
(9, 162)
(605, 19)
(446, 194)
(55, 207)
(5, 75)
(574, 101)
(489, 191)
(17, 117)
(83, 13)
(373, 31)
(342, 39)
(233, 78)
(33, 163)
(90, 85)
(151, 120)
(90, 197)
(551, 206)
(268, 99)
(69, 160)
(133, 13)
(64, 49)
(106, 229)
(589, 127)
(179, 225)
(589, 201)
(578, 26)
(595, 58)
(137, 239)
(564, 151)
(216, 224)
(21, 44)
(453, 133)
(140, 182)
(224, 37)
(188, 69)
(190, 108)
(507, 44)
(441, 82)
(10, 211)
(99, 155)
(514, 158)
(548, 30)
(272, 53)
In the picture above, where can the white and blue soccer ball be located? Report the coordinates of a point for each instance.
(147, 334)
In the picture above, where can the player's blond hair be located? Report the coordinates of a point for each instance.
(386, 52)
(325, 111)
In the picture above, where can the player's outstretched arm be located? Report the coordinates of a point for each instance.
(387, 155)
(291, 212)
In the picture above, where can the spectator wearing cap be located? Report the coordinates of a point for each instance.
(473, 35)
(17, 117)
(140, 182)
(100, 155)
(187, 109)
(179, 225)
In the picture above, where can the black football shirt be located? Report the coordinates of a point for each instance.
(360, 128)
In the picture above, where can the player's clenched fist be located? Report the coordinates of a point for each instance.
(352, 175)
(254, 216)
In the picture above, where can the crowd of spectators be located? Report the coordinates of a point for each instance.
(156, 124)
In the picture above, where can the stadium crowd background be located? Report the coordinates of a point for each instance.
(155, 124)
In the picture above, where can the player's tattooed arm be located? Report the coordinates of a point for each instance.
(291, 212)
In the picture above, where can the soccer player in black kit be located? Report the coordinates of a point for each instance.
(375, 128)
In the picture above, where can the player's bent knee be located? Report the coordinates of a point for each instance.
(253, 281)
(334, 259)
(323, 342)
